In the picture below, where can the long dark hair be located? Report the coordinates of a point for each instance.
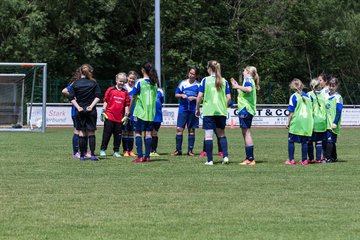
(87, 70)
(151, 72)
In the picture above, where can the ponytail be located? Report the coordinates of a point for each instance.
(215, 68)
(255, 75)
(151, 72)
(314, 84)
(87, 70)
(297, 85)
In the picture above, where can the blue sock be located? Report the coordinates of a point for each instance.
(130, 143)
(249, 149)
(310, 151)
(224, 146)
(209, 149)
(304, 151)
(139, 146)
(148, 143)
(125, 141)
(291, 150)
(318, 147)
(179, 139)
(75, 143)
(191, 142)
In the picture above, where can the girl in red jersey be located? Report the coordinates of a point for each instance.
(115, 113)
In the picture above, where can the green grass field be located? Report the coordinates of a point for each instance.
(45, 194)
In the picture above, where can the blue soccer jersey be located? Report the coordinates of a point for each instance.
(190, 90)
(159, 103)
(72, 106)
(131, 93)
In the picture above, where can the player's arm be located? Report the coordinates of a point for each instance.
(235, 85)
(65, 91)
(289, 119)
(92, 105)
(179, 93)
(199, 100)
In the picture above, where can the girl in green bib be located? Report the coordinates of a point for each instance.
(334, 105)
(144, 94)
(247, 109)
(300, 121)
(319, 115)
(215, 92)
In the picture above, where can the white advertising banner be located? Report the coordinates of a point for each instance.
(60, 115)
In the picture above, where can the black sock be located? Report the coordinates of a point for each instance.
(92, 142)
(154, 143)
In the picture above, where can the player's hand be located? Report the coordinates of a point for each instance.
(80, 109)
(234, 83)
(333, 126)
(89, 108)
(197, 113)
(184, 96)
(287, 126)
(125, 120)
(103, 116)
(192, 98)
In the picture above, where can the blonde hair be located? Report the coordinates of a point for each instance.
(214, 66)
(298, 86)
(121, 74)
(255, 75)
(315, 86)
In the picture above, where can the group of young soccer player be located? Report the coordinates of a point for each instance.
(134, 107)
(315, 117)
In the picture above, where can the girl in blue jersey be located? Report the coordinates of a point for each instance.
(247, 109)
(215, 92)
(187, 92)
(334, 105)
(75, 138)
(128, 132)
(157, 122)
(300, 122)
(144, 94)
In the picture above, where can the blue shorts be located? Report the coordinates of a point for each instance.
(188, 119)
(129, 126)
(141, 125)
(157, 126)
(317, 136)
(245, 120)
(330, 136)
(297, 138)
(213, 122)
(74, 121)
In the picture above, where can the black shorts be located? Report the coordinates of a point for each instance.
(86, 121)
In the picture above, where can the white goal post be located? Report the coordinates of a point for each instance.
(21, 86)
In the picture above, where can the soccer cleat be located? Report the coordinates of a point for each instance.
(117, 154)
(326, 161)
(102, 153)
(82, 159)
(76, 155)
(146, 159)
(88, 155)
(176, 153)
(221, 154)
(290, 162)
(202, 154)
(191, 154)
(247, 163)
(138, 160)
(225, 160)
(209, 163)
(132, 154)
(126, 154)
(154, 154)
(93, 158)
(305, 162)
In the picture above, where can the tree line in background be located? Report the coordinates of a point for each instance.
(283, 39)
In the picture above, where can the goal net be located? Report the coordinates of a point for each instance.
(23, 97)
